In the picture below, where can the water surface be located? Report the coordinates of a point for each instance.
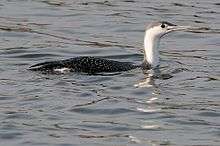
(181, 107)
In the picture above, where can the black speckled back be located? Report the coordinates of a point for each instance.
(85, 64)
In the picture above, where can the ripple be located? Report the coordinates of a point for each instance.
(54, 3)
(5, 97)
(15, 115)
(32, 55)
(104, 3)
(209, 114)
(102, 111)
(191, 122)
(10, 135)
(19, 51)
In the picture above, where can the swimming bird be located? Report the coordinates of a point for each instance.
(93, 65)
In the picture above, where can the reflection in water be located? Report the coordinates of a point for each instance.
(149, 106)
(148, 110)
(134, 139)
(150, 126)
(151, 99)
(150, 76)
(147, 142)
(148, 80)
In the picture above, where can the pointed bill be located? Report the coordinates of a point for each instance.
(176, 28)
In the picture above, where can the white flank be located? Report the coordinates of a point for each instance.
(62, 70)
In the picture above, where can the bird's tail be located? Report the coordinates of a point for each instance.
(42, 66)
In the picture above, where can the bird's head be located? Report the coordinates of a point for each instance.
(159, 29)
(153, 33)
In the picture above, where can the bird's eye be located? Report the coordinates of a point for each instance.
(162, 25)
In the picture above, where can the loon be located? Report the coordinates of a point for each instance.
(93, 65)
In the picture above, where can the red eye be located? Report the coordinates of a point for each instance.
(162, 26)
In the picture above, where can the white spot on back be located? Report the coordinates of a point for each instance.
(62, 70)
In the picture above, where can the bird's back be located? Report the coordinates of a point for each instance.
(84, 64)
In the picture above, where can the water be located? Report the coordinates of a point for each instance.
(131, 108)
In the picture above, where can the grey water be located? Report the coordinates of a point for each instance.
(179, 108)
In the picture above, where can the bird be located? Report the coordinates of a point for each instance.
(94, 65)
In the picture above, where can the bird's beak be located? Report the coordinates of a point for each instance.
(176, 28)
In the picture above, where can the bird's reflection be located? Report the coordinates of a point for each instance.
(150, 76)
(148, 80)
(151, 106)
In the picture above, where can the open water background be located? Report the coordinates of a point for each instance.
(130, 108)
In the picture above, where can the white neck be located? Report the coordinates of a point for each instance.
(151, 52)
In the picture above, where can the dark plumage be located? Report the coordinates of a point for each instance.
(86, 64)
